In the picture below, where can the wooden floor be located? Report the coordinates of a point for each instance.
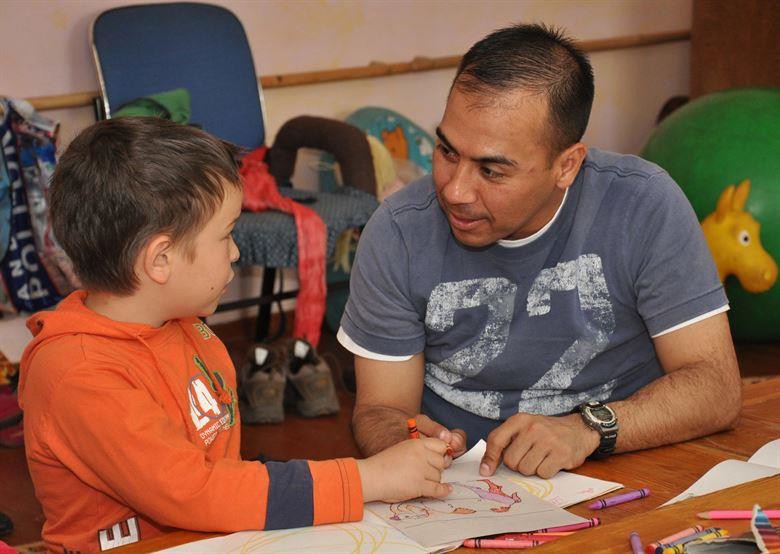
(322, 438)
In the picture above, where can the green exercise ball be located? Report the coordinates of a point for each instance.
(719, 140)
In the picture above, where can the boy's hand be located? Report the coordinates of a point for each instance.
(406, 470)
(456, 438)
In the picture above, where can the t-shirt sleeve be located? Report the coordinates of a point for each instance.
(380, 315)
(674, 275)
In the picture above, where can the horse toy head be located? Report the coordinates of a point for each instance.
(733, 236)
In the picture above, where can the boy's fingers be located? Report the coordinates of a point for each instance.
(437, 490)
(430, 473)
(435, 445)
(431, 428)
(437, 460)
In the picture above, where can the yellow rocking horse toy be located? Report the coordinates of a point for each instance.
(733, 236)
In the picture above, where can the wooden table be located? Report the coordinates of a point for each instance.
(667, 471)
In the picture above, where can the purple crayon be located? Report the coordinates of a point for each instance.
(619, 499)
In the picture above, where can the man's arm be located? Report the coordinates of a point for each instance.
(387, 394)
(699, 394)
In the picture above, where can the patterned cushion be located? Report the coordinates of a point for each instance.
(269, 238)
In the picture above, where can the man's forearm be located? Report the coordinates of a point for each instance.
(378, 427)
(688, 403)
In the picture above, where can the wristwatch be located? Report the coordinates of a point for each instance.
(602, 418)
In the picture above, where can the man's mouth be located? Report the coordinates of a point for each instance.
(463, 223)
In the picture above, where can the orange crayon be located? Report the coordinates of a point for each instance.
(411, 423)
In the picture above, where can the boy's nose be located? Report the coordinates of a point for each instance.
(234, 252)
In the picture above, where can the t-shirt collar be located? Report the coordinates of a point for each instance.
(506, 243)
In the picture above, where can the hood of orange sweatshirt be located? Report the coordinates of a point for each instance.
(73, 317)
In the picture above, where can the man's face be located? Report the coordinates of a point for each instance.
(492, 167)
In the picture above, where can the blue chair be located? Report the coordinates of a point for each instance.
(147, 49)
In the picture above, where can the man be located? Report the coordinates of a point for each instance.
(559, 302)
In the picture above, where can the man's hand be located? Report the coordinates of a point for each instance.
(539, 445)
(409, 469)
(456, 438)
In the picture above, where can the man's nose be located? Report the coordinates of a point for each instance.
(461, 187)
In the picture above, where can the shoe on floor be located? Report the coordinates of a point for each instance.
(261, 384)
(312, 381)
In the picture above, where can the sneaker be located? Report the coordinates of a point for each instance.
(261, 384)
(312, 381)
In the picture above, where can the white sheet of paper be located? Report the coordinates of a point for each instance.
(764, 463)
(484, 506)
(368, 536)
(563, 490)
(767, 455)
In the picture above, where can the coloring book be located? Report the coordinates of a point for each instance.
(477, 506)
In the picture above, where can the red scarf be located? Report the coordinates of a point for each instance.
(260, 194)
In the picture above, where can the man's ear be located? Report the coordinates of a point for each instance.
(567, 164)
(157, 258)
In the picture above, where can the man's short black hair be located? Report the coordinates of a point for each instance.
(122, 181)
(536, 59)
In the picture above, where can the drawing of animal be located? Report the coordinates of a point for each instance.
(733, 236)
(425, 508)
(494, 493)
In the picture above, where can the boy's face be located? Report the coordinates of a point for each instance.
(198, 281)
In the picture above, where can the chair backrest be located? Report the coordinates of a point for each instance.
(145, 49)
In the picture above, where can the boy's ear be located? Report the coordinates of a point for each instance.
(158, 258)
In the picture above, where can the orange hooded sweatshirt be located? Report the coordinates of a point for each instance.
(131, 431)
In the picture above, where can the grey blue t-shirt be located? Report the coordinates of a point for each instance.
(545, 326)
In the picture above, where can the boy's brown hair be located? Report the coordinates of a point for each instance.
(122, 181)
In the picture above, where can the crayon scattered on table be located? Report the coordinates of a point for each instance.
(531, 535)
(635, 542)
(678, 546)
(591, 522)
(650, 548)
(495, 543)
(736, 514)
(619, 499)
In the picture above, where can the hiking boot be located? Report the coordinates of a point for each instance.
(312, 381)
(261, 384)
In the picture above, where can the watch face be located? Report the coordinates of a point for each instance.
(602, 414)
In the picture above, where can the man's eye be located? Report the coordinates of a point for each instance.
(489, 173)
(446, 152)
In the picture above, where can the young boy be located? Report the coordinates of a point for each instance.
(131, 421)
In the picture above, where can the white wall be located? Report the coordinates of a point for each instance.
(45, 52)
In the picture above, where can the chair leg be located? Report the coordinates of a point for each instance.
(264, 309)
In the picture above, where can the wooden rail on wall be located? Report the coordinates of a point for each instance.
(376, 69)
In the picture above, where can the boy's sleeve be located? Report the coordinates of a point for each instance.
(116, 439)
